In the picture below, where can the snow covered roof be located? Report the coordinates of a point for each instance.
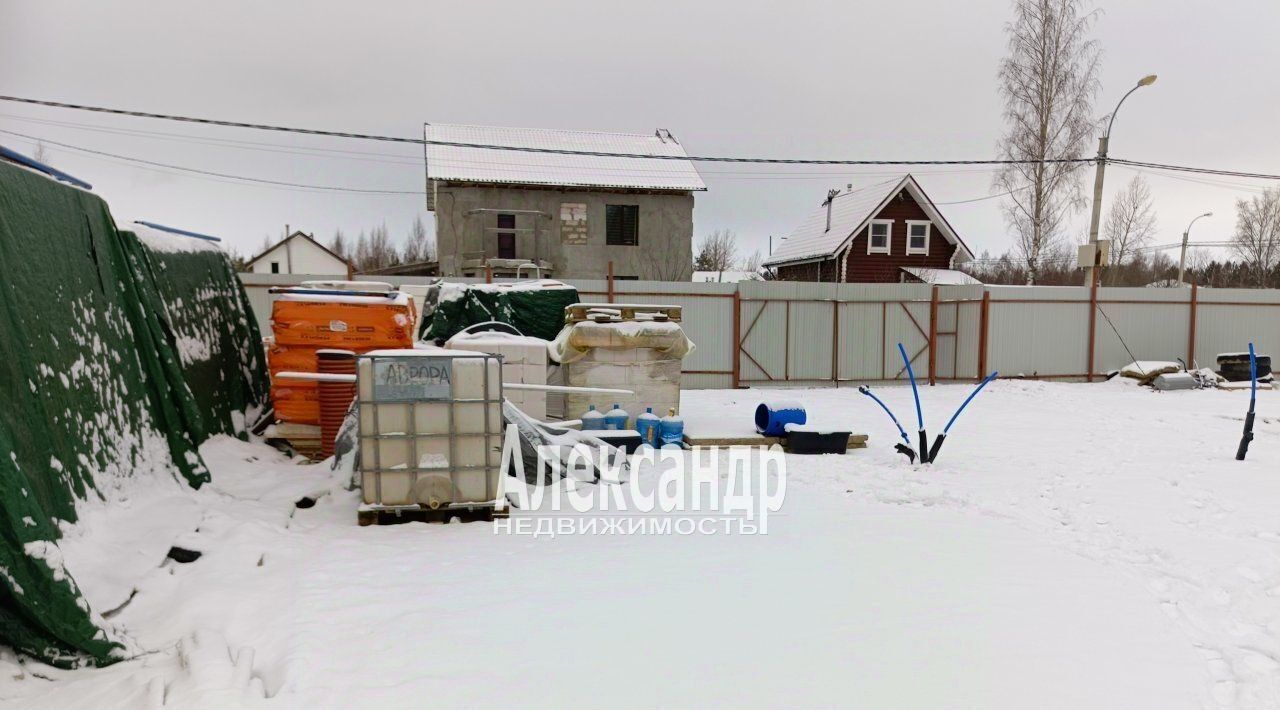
(850, 213)
(488, 165)
(282, 242)
(941, 277)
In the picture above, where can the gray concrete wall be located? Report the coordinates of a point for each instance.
(665, 231)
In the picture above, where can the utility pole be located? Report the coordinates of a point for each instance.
(1103, 143)
(1182, 261)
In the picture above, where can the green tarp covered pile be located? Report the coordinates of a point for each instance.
(535, 308)
(99, 375)
(217, 337)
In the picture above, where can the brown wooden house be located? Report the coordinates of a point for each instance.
(877, 234)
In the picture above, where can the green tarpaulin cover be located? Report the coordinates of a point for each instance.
(99, 377)
(535, 308)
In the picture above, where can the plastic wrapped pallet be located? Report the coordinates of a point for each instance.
(642, 356)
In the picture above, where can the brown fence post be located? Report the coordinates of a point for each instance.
(1093, 318)
(488, 274)
(1191, 330)
(983, 323)
(786, 343)
(835, 343)
(933, 337)
(610, 279)
(737, 336)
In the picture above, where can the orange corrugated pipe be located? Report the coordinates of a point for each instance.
(335, 397)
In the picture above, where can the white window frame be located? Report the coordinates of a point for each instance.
(928, 232)
(888, 242)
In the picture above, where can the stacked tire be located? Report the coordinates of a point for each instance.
(1235, 366)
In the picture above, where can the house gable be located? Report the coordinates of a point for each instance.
(849, 255)
(304, 254)
(860, 265)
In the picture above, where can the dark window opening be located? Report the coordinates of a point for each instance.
(617, 277)
(506, 240)
(621, 225)
(275, 267)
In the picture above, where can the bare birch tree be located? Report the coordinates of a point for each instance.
(338, 245)
(753, 263)
(718, 252)
(419, 247)
(1048, 82)
(1257, 237)
(1130, 225)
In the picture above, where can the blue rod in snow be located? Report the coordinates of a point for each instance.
(937, 443)
(915, 391)
(903, 448)
(1243, 449)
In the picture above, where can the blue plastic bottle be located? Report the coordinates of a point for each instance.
(616, 418)
(671, 429)
(592, 420)
(648, 424)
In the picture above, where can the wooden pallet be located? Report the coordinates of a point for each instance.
(420, 514)
(856, 441)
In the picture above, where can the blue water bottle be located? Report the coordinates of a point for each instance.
(592, 420)
(647, 424)
(671, 429)
(616, 419)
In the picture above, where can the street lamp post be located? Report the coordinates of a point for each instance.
(1182, 261)
(1103, 143)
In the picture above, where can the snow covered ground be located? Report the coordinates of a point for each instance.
(1075, 546)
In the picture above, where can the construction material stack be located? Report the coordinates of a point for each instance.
(524, 361)
(634, 347)
(305, 321)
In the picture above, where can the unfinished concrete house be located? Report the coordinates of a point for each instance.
(551, 209)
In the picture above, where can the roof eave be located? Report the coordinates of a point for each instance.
(567, 185)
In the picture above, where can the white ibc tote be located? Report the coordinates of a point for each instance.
(430, 427)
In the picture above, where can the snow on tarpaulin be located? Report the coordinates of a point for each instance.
(98, 405)
(535, 308)
(208, 313)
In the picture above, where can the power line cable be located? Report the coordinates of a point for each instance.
(561, 151)
(524, 149)
(330, 188)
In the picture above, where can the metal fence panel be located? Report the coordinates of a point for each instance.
(1038, 331)
(788, 329)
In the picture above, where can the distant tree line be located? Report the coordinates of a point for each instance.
(1131, 227)
(374, 250)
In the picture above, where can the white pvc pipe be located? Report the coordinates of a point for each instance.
(316, 376)
(562, 388)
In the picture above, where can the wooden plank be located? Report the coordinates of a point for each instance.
(856, 441)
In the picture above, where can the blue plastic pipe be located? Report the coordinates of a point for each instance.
(966, 402)
(937, 443)
(1243, 449)
(49, 170)
(903, 432)
(915, 391)
(175, 230)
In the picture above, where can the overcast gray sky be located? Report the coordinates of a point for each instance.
(795, 79)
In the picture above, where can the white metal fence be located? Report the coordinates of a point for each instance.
(810, 334)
